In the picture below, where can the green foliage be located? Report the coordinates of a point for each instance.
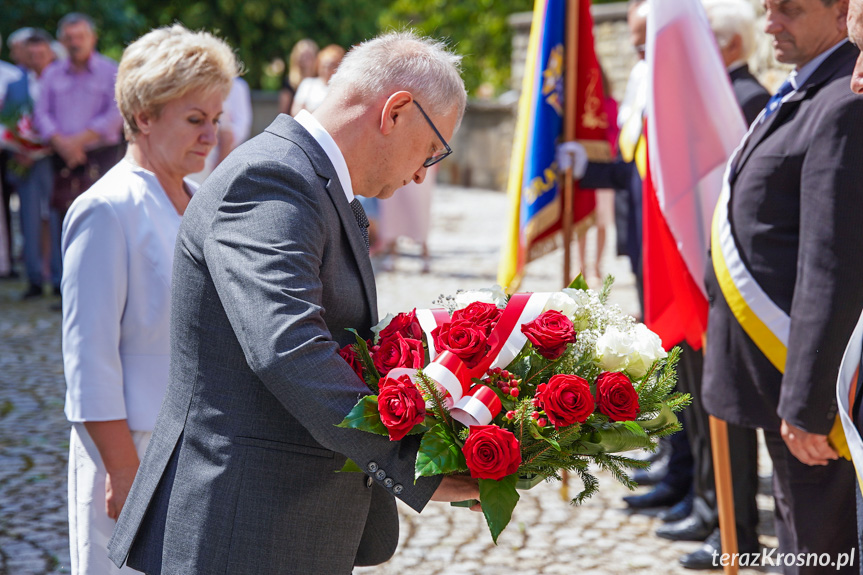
(365, 417)
(118, 22)
(350, 467)
(498, 500)
(579, 283)
(439, 453)
(478, 30)
(370, 372)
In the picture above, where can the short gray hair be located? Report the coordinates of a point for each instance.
(404, 61)
(19, 35)
(729, 18)
(75, 18)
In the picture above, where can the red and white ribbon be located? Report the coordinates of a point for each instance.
(454, 378)
(478, 407)
(429, 319)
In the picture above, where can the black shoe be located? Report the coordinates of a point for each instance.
(681, 510)
(56, 291)
(661, 496)
(692, 528)
(708, 555)
(33, 291)
(652, 475)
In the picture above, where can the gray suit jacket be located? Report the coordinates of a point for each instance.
(240, 476)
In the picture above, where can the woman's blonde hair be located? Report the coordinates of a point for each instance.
(168, 63)
(295, 72)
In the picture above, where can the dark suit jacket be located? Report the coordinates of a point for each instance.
(796, 200)
(241, 473)
(749, 93)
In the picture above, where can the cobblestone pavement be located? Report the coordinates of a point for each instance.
(546, 535)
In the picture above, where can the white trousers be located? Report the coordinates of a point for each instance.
(90, 527)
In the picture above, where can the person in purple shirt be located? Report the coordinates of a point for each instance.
(77, 114)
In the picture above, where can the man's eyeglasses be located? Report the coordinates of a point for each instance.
(438, 157)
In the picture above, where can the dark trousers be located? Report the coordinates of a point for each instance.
(815, 507)
(8, 188)
(743, 447)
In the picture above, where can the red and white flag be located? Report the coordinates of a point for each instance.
(694, 124)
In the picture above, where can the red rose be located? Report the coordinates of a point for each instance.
(482, 315)
(397, 351)
(491, 452)
(616, 397)
(566, 399)
(404, 324)
(349, 354)
(549, 333)
(467, 341)
(400, 405)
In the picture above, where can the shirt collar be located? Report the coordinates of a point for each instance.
(322, 137)
(798, 77)
(69, 68)
(736, 65)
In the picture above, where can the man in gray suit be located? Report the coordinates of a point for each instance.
(271, 268)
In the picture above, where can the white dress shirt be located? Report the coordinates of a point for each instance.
(325, 140)
(118, 254)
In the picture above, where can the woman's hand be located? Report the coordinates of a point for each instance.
(114, 442)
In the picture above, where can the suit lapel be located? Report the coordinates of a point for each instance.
(286, 127)
(834, 65)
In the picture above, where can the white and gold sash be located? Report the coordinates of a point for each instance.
(766, 324)
(846, 391)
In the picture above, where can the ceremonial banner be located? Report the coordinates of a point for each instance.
(694, 124)
(535, 187)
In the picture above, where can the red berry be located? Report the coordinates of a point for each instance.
(510, 415)
(505, 374)
(541, 422)
(534, 415)
(513, 391)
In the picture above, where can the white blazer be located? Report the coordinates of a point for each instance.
(118, 253)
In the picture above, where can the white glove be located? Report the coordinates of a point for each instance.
(572, 155)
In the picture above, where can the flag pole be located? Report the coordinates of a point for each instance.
(724, 492)
(569, 79)
(569, 115)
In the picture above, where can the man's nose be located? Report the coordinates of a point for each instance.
(857, 76)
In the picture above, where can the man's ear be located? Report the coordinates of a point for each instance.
(392, 110)
(842, 16)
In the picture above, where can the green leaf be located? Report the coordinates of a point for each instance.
(579, 283)
(665, 418)
(439, 453)
(350, 467)
(371, 372)
(365, 417)
(537, 434)
(613, 439)
(498, 500)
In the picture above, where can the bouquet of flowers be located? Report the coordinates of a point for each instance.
(18, 134)
(515, 389)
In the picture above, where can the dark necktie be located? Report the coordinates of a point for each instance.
(776, 100)
(362, 220)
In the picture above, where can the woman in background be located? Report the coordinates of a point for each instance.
(302, 64)
(312, 91)
(118, 247)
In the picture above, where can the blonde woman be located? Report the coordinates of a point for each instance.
(312, 91)
(302, 64)
(118, 247)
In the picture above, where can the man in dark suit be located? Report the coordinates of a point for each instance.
(784, 287)
(241, 475)
(733, 26)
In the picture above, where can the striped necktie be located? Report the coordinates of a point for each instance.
(362, 220)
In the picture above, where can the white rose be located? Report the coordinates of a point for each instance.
(613, 348)
(561, 302)
(494, 295)
(382, 325)
(647, 348)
